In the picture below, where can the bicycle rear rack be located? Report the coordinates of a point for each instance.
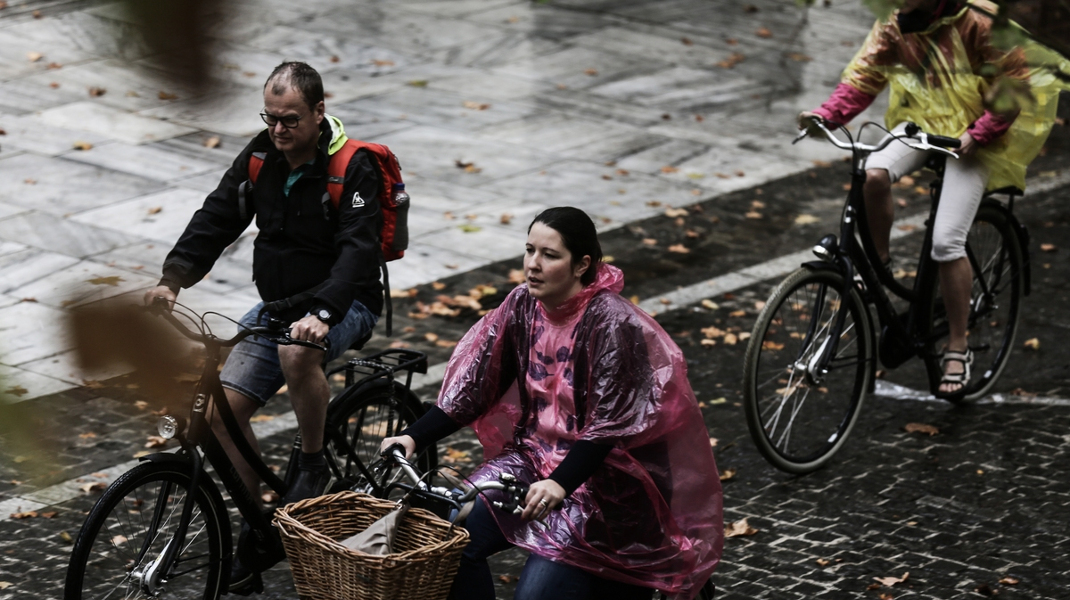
(384, 364)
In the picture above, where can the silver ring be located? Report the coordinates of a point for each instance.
(543, 502)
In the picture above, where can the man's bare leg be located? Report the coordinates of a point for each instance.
(309, 394)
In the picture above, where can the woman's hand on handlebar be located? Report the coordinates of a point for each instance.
(543, 496)
(804, 118)
(404, 440)
(969, 145)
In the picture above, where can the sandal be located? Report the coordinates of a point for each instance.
(961, 379)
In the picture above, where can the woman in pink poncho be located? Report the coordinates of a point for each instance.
(585, 398)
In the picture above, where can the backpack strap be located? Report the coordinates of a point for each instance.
(256, 162)
(336, 170)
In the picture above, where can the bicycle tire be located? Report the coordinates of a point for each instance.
(997, 261)
(779, 371)
(117, 542)
(360, 422)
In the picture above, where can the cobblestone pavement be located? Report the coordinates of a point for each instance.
(966, 512)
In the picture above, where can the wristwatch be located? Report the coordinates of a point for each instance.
(323, 315)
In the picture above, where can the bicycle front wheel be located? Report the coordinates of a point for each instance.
(997, 262)
(803, 383)
(123, 539)
(359, 426)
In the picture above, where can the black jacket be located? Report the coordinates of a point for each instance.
(303, 240)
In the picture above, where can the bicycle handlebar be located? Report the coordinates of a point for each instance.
(276, 331)
(924, 141)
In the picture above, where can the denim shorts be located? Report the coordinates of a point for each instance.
(253, 366)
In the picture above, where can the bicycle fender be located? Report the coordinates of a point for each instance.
(820, 265)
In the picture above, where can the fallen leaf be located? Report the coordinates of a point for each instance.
(49, 515)
(906, 227)
(710, 304)
(920, 428)
(438, 285)
(34, 56)
(508, 578)
(799, 57)
(737, 313)
(112, 280)
(734, 59)
(720, 400)
(732, 42)
(669, 169)
(261, 418)
(30, 514)
(713, 442)
(771, 345)
(212, 142)
(155, 209)
(420, 83)
(763, 32)
(64, 537)
(505, 219)
(806, 219)
(467, 166)
(162, 95)
(89, 488)
(87, 435)
(1048, 248)
(731, 339)
(679, 249)
(1032, 343)
(141, 404)
(475, 105)
(82, 146)
(119, 539)
(269, 497)
(890, 581)
(739, 528)
(20, 391)
(155, 441)
(753, 214)
(676, 212)
(686, 41)
(665, 301)
(398, 344)
(445, 344)
(823, 562)
(383, 63)
(96, 92)
(728, 474)
(700, 118)
(1010, 580)
(469, 228)
(591, 72)
(650, 242)
(708, 342)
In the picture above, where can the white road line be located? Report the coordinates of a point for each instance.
(778, 267)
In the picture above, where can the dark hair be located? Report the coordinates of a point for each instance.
(579, 235)
(299, 76)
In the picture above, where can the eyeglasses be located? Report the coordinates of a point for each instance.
(289, 122)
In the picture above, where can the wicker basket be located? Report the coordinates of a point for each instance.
(428, 554)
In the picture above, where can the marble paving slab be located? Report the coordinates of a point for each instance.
(17, 385)
(232, 110)
(494, 49)
(24, 96)
(424, 263)
(60, 235)
(59, 186)
(15, 50)
(117, 124)
(446, 109)
(28, 133)
(7, 210)
(67, 368)
(82, 283)
(150, 161)
(31, 331)
(28, 265)
(479, 239)
(161, 216)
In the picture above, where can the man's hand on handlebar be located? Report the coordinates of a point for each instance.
(543, 496)
(160, 292)
(404, 440)
(309, 329)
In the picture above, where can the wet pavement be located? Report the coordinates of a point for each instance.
(978, 509)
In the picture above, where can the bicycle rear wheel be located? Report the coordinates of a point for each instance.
(800, 410)
(358, 426)
(996, 258)
(126, 532)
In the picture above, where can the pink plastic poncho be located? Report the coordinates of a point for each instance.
(531, 383)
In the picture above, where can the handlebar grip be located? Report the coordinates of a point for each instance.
(944, 142)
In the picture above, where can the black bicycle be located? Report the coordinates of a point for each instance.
(161, 530)
(813, 350)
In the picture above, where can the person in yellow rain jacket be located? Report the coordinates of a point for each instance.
(946, 74)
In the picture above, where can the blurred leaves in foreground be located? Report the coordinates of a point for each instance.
(177, 30)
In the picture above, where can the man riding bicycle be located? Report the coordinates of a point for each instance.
(316, 266)
(946, 75)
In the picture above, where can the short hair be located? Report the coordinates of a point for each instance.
(299, 76)
(578, 233)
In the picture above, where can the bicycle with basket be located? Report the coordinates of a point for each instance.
(161, 529)
(813, 351)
